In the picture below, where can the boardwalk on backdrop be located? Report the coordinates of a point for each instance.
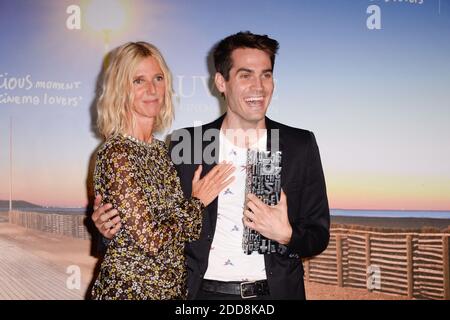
(24, 275)
(33, 266)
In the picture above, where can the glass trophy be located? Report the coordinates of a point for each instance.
(263, 180)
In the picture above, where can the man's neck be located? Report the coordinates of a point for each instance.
(232, 122)
(243, 134)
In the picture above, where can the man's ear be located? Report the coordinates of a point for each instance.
(220, 82)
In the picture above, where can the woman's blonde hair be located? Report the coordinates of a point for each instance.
(115, 102)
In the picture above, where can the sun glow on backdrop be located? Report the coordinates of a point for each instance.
(107, 18)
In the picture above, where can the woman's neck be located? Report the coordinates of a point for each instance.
(142, 130)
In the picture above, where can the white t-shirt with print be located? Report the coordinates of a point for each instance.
(227, 261)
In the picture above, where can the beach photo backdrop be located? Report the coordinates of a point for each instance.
(377, 99)
(370, 78)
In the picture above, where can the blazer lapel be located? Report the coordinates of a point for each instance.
(274, 137)
(211, 217)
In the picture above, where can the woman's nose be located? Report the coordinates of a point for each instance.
(151, 88)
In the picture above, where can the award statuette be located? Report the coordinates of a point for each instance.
(264, 181)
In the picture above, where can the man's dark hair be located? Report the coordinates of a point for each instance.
(223, 50)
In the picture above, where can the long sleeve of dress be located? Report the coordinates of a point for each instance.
(188, 212)
(116, 175)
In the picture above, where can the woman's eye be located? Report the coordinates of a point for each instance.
(138, 81)
(159, 78)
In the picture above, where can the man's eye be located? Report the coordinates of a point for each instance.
(245, 76)
(268, 75)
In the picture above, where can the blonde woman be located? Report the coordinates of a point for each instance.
(134, 173)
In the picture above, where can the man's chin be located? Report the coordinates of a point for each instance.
(256, 115)
(255, 118)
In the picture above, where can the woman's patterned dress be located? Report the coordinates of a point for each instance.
(145, 260)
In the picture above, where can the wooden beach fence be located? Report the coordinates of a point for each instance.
(71, 225)
(415, 265)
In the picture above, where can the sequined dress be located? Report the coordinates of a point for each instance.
(145, 259)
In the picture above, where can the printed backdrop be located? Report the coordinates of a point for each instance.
(370, 78)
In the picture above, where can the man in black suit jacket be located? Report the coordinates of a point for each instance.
(299, 223)
(308, 213)
(244, 64)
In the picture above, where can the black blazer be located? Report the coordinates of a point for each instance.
(303, 182)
